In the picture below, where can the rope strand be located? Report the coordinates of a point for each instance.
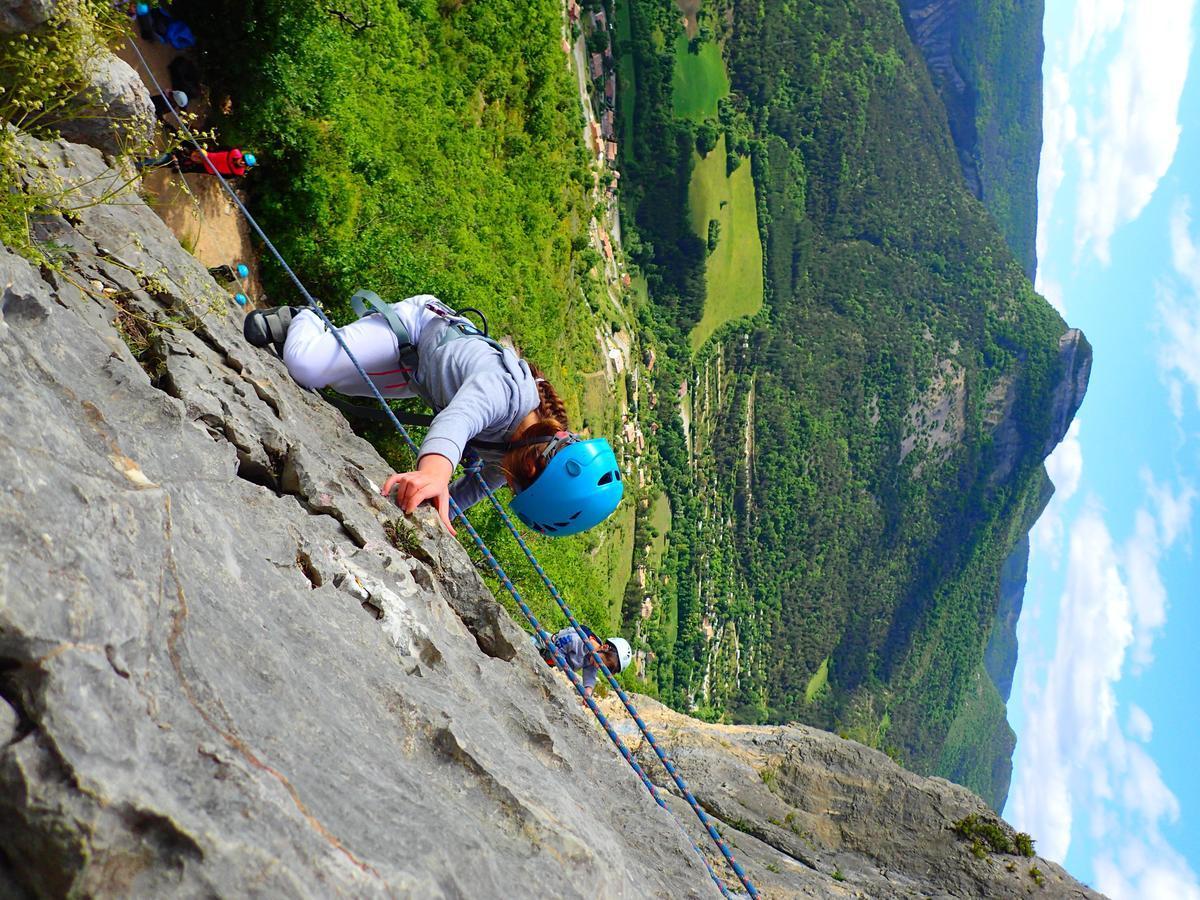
(597, 661)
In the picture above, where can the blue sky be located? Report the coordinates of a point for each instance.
(1106, 699)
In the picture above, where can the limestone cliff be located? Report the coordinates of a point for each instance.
(818, 816)
(1010, 441)
(219, 674)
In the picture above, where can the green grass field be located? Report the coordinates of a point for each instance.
(660, 519)
(817, 683)
(613, 557)
(699, 80)
(734, 277)
(626, 77)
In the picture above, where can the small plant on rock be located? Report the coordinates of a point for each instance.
(1024, 843)
(984, 835)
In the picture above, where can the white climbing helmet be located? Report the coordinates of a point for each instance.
(624, 652)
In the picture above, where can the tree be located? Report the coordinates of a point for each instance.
(706, 137)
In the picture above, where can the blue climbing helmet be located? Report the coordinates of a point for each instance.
(580, 487)
(250, 160)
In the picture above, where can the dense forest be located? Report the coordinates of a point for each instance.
(985, 58)
(846, 503)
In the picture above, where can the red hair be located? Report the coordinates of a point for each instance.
(523, 465)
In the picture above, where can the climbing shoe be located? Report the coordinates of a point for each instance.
(270, 326)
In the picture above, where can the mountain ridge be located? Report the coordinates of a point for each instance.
(899, 392)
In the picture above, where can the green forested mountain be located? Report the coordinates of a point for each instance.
(985, 57)
(831, 378)
(852, 467)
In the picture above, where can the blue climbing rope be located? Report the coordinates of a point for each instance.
(547, 640)
(457, 512)
(596, 660)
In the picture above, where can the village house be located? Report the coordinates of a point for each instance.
(607, 127)
(596, 63)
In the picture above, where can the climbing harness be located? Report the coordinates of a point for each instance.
(367, 303)
(457, 512)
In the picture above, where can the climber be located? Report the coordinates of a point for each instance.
(615, 653)
(163, 104)
(485, 397)
(230, 162)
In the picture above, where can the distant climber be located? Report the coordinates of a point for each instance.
(230, 162)
(162, 107)
(227, 274)
(156, 24)
(483, 395)
(615, 653)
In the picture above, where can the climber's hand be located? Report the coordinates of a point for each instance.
(431, 481)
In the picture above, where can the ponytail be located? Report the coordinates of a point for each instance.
(523, 465)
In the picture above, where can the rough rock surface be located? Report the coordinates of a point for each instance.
(115, 114)
(219, 677)
(1075, 359)
(813, 815)
(17, 16)
(931, 25)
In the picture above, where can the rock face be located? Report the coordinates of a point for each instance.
(115, 114)
(17, 16)
(219, 676)
(1009, 440)
(1075, 358)
(817, 816)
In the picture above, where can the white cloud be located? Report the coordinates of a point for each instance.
(1128, 140)
(1139, 724)
(1179, 314)
(1074, 765)
(1173, 511)
(1149, 595)
(1064, 465)
(1093, 21)
(1155, 530)
(1143, 790)
(1072, 715)
(1059, 131)
(1053, 292)
(1184, 255)
(1145, 869)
